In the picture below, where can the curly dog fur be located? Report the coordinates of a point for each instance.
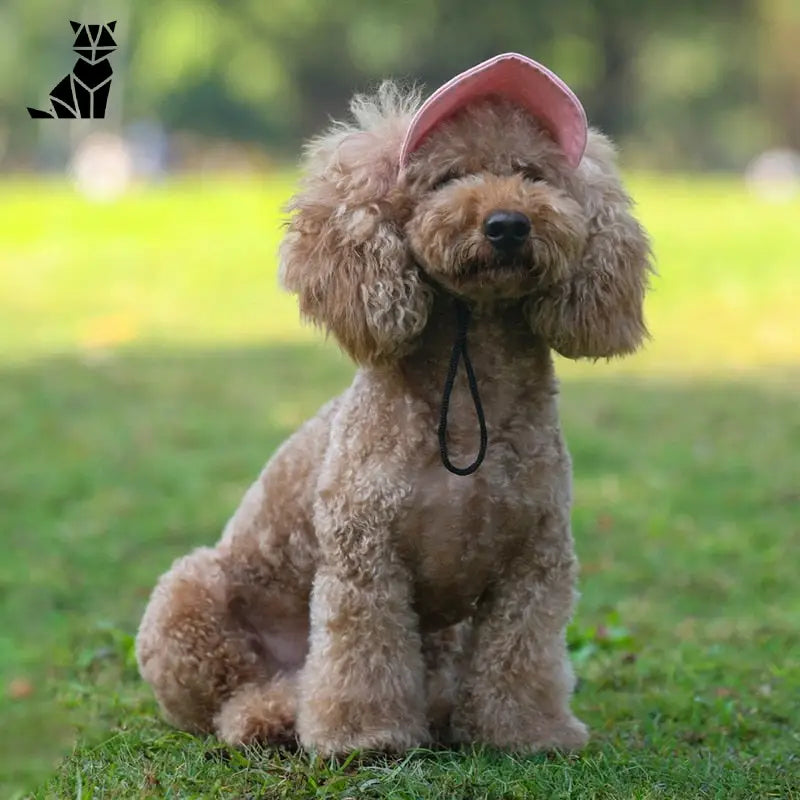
(362, 596)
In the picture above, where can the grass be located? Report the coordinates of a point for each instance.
(148, 367)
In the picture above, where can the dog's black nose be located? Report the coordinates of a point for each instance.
(506, 230)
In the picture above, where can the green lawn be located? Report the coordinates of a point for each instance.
(149, 366)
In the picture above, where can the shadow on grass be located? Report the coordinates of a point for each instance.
(113, 466)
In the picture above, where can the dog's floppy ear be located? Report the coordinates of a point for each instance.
(344, 252)
(597, 310)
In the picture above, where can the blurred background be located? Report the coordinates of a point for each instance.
(682, 85)
(149, 364)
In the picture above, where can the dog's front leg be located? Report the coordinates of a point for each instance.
(362, 686)
(517, 687)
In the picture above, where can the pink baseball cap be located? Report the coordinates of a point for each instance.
(519, 79)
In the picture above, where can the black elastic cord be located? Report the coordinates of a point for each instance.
(463, 315)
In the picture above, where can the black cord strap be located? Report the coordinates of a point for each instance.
(463, 316)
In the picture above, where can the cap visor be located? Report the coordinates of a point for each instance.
(514, 77)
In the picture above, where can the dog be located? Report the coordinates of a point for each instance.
(403, 570)
(83, 94)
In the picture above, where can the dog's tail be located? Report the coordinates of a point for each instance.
(36, 114)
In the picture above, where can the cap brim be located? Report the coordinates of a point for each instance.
(516, 78)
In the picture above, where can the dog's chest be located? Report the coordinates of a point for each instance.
(458, 532)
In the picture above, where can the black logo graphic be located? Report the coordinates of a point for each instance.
(83, 94)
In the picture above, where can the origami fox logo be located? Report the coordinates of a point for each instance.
(83, 94)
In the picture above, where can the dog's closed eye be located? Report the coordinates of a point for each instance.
(445, 178)
(530, 172)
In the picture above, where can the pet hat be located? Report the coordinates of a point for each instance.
(516, 78)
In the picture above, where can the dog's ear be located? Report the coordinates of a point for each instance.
(344, 252)
(111, 25)
(597, 310)
(76, 26)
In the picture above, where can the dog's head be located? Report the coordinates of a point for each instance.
(494, 213)
(93, 43)
(487, 208)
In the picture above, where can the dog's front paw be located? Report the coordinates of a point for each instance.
(567, 734)
(388, 740)
(346, 727)
(534, 734)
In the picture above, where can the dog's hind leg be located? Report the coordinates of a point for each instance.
(206, 666)
(188, 648)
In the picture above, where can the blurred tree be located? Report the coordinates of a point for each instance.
(779, 67)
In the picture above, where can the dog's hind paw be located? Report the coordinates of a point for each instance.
(256, 713)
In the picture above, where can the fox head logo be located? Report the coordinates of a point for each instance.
(83, 94)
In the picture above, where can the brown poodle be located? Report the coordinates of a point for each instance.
(363, 595)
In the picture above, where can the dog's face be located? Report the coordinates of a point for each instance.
(491, 214)
(93, 43)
